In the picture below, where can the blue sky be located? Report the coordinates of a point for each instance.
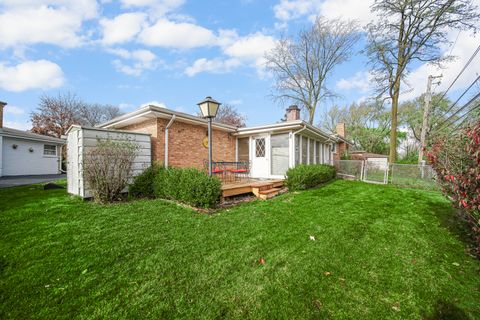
(172, 52)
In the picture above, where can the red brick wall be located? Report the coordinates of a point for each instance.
(185, 148)
(342, 149)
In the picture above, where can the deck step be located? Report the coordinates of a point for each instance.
(267, 194)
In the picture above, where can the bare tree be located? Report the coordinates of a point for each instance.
(409, 31)
(229, 115)
(302, 65)
(93, 114)
(55, 115)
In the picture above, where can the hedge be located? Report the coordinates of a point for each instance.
(304, 176)
(142, 186)
(189, 186)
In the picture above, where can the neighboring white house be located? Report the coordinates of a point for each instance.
(26, 153)
(80, 140)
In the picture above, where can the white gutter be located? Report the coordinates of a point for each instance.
(304, 128)
(172, 119)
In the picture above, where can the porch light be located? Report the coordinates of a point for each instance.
(209, 108)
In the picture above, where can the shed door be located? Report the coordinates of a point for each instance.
(260, 160)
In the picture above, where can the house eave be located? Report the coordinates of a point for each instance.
(30, 136)
(158, 112)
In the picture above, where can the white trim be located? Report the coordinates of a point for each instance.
(169, 124)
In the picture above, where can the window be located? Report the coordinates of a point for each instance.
(304, 149)
(310, 151)
(279, 148)
(243, 149)
(49, 150)
(297, 149)
(334, 147)
(260, 147)
(317, 152)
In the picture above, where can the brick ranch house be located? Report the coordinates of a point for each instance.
(179, 140)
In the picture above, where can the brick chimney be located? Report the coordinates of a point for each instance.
(293, 113)
(2, 105)
(341, 129)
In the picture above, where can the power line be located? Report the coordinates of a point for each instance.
(461, 71)
(461, 96)
(464, 115)
(460, 110)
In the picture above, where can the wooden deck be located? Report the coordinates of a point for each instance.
(263, 189)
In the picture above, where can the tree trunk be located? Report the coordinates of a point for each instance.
(393, 130)
(311, 112)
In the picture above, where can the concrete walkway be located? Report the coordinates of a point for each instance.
(14, 181)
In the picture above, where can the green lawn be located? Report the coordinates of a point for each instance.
(380, 253)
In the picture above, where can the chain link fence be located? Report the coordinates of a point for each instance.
(413, 175)
(375, 172)
(349, 169)
(380, 172)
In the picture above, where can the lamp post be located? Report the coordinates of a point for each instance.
(209, 108)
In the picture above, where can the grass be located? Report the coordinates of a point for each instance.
(379, 253)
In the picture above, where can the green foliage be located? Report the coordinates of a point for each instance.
(189, 186)
(409, 158)
(142, 186)
(305, 176)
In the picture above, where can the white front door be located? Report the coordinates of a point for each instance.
(259, 152)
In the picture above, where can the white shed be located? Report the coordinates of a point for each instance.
(80, 139)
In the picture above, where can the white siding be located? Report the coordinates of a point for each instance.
(21, 161)
(80, 140)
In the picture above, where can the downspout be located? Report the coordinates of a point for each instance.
(293, 138)
(169, 124)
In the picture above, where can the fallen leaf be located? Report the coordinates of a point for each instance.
(312, 238)
(84, 271)
(317, 304)
(327, 274)
(456, 264)
(396, 306)
(261, 261)
(341, 279)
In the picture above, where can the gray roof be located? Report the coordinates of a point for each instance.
(14, 133)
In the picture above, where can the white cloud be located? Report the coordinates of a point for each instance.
(153, 103)
(122, 28)
(139, 61)
(464, 48)
(249, 50)
(17, 124)
(360, 81)
(293, 9)
(57, 22)
(235, 102)
(160, 7)
(180, 35)
(287, 10)
(217, 65)
(14, 110)
(39, 74)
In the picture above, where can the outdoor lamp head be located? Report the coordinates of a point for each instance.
(209, 107)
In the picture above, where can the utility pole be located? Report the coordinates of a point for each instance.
(426, 111)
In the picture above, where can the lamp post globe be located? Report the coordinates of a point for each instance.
(209, 108)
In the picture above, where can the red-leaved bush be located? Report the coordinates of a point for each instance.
(456, 160)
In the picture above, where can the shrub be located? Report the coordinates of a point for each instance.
(142, 186)
(456, 160)
(107, 168)
(189, 186)
(308, 176)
